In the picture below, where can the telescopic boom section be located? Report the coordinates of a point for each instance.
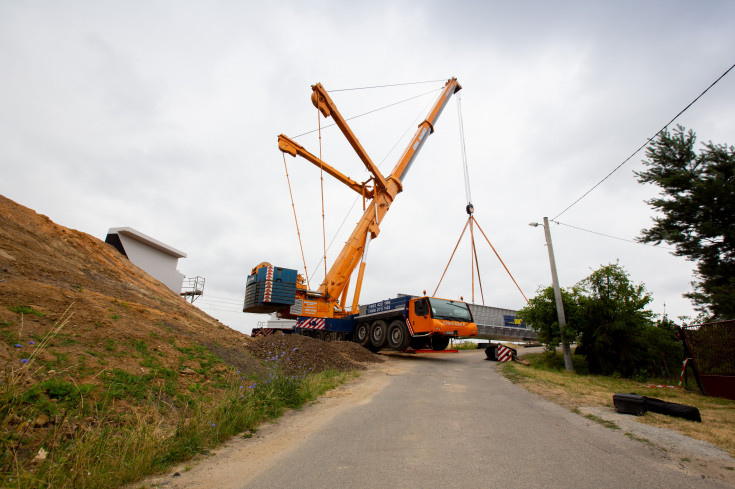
(338, 276)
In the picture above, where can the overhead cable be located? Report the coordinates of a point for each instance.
(468, 194)
(646, 143)
(207, 300)
(371, 111)
(384, 86)
(614, 237)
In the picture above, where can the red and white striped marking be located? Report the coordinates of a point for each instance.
(505, 354)
(410, 328)
(312, 323)
(683, 369)
(268, 285)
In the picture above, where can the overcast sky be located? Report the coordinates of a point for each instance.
(163, 116)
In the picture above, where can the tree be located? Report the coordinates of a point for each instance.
(665, 350)
(697, 206)
(613, 322)
(540, 314)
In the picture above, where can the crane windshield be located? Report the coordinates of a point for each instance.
(450, 310)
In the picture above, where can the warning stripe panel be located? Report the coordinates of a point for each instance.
(268, 285)
(505, 354)
(312, 323)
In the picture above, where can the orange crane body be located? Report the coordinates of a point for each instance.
(329, 301)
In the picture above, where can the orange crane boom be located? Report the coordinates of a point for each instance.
(379, 198)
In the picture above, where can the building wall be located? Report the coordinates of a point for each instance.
(158, 264)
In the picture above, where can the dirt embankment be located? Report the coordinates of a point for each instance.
(117, 312)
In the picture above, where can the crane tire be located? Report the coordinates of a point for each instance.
(420, 343)
(378, 333)
(398, 337)
(439, 343)
(362, 334)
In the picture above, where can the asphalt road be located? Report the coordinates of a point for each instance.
(452, 421)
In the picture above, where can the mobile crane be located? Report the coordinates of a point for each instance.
(403, 322)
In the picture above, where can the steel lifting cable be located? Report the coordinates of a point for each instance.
(471, 221)
(293, 206)
(451, 257)
(370, 111)
(468, 194)
(502, 262)
(321, 167)
(475, 263)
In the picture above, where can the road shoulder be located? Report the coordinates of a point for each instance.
(241, 459)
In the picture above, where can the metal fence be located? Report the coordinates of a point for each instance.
(712, 349)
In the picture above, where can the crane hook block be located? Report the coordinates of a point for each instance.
(320, 102)
(470, 209)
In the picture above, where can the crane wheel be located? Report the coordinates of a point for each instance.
(439, 343)
(378, 333)
(398, 337)
(362, 334)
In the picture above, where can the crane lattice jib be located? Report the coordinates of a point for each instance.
(380, 197)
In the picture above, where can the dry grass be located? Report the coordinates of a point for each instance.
(573, 390)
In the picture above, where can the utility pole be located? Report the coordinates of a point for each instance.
(557, 294)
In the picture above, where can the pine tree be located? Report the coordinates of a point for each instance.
(697, 214)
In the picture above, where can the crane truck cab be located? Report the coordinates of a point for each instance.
(442, 319)
(413, 322)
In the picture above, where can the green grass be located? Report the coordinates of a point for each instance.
(547, 377)
(26, 310)
(603, 422)
(129, 424)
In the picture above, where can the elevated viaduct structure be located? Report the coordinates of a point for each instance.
(495, 323)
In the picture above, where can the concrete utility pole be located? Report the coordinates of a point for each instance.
(557, 293)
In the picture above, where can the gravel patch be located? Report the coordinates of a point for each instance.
(664, 438)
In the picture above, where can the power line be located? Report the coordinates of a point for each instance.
(646, 143)
(209, 296)
(210, 308)
(385, 86)
(229, 303)
(613, 237)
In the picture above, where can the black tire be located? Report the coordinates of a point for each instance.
(491, 352)
(439, 343)
(420, 343)
(378, 333)
(398, 337)
(362, 334)
(673, 409)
